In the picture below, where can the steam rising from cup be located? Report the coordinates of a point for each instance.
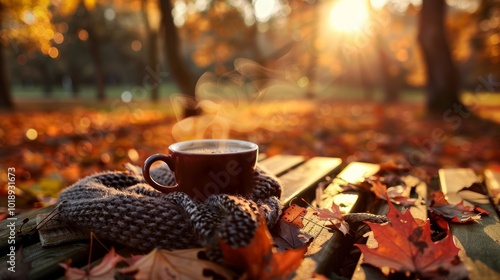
(231, 102)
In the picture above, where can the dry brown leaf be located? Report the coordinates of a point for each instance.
(178, 264)
(104, 271)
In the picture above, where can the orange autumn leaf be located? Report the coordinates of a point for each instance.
(179, 264)
(260, 260)
(104, 271)
(405, 245)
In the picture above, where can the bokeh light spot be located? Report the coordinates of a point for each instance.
(83, 35)
(28, 17)
(32, 134)
(109, 14)
(133, 154)
(105, 158)
(126, 96)
(58, 38)
(53, 52)
(84, 122)
(303, 81)
(136, 45)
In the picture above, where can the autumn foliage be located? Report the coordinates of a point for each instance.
(260, 260)
(405, 245)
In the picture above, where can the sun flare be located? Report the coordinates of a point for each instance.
(348, 15)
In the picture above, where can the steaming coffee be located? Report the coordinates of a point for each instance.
(212, 151)
(206, 167)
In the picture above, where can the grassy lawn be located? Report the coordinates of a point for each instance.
(276, 91)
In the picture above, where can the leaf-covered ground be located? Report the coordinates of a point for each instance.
(51, 149)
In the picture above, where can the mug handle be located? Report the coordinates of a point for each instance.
(147, 176)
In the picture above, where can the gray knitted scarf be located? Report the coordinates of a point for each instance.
(122, 207)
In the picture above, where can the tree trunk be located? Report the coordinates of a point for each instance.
(96, 58)
(389, 83)
(365, 80)
(442, 77)
(152, 37)
(94, 50)
(75, 81)
(5, 91)
(178, 68)
(46, 78)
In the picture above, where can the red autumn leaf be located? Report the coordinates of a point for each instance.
(178, 264)
(334, 215)
(260, 260)
(405, 245)
(104, 271)
(458, 213)
(475, 187)
(396, 194)
(289, 236)
(392, 167)
(294, 214)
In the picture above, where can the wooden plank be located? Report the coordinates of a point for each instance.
(18, 220)
(328, 248)
(492, 180)
(297, 181)
(479, 242)
(43, 260)
(279, 164)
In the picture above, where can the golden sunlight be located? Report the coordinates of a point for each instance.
(348, 15)
(264, 9)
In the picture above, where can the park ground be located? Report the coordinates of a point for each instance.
(53, 143)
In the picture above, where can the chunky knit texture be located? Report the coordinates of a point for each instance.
(122, 207)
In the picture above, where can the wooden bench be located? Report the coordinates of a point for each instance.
(316, 180)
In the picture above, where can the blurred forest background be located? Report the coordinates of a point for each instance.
(100, 48)
(87, 85)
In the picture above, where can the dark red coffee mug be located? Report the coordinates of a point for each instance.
(206, 167)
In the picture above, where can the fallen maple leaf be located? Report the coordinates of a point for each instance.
(104, 271)
(405, 245)
(458, 213)
(178, 264)
(289, 236)
(396, 194)
(334, 215)
(260, 260)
